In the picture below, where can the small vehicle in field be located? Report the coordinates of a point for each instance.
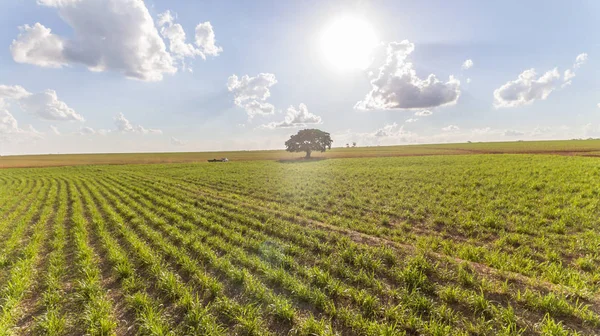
(219, 160)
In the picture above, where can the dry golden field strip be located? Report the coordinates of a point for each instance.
(422, 245)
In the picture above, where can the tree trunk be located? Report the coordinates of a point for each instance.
(307, 154)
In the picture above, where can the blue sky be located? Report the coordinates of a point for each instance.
(153, 102)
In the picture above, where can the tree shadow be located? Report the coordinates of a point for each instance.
(301, 160)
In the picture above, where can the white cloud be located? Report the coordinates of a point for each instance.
(423, 113)
(124, 126)
(10, 131)
(250, 93)
(394, 134)
(57, 3)
(388, 134)
(115, 35)
(526, 89)
(450, 128)
(47, 106)
(580, 60)
(177, 142)
(174, 33)
(251, 87)
(44, 105)
(141, 129)
(411, 120)
(296, 118)
(468, 64)
(205, 39)
(37, 45)
(13, 92)
(389, 130)
(468, 80)
(398, 87)
(8, 123)
(254, 107)
(86, 131)
(598, 105)
(569, 74)
(54, 130)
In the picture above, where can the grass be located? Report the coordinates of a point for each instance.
(431, 245)
(563, 147)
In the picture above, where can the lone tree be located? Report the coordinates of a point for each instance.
(309, 140)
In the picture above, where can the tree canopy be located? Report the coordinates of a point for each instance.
(309, 140)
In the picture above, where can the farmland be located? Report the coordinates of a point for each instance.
(435, 245)
(561, 147)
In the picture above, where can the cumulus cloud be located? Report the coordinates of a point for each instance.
(177, 142)
(296, 118)
(423, 113)
(251, 93)
(255, 107)
(8, 123)
(115, 35)
(248, 87)
(124, 126)
(206, 41)
(528, 87)
(11, 132)
(468, 64)
(411, 120)
(174, 33)
(44, 105)
(397, 85)
(468, 80)
(37, 45)
(450, 128)
(13, 92)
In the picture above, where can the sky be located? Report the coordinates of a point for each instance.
(96, 76)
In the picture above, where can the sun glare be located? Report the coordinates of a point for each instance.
(347, 43)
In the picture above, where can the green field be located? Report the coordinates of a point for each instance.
(562, 147)
(417, 245)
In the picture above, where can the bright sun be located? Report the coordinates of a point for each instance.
(347, 43)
